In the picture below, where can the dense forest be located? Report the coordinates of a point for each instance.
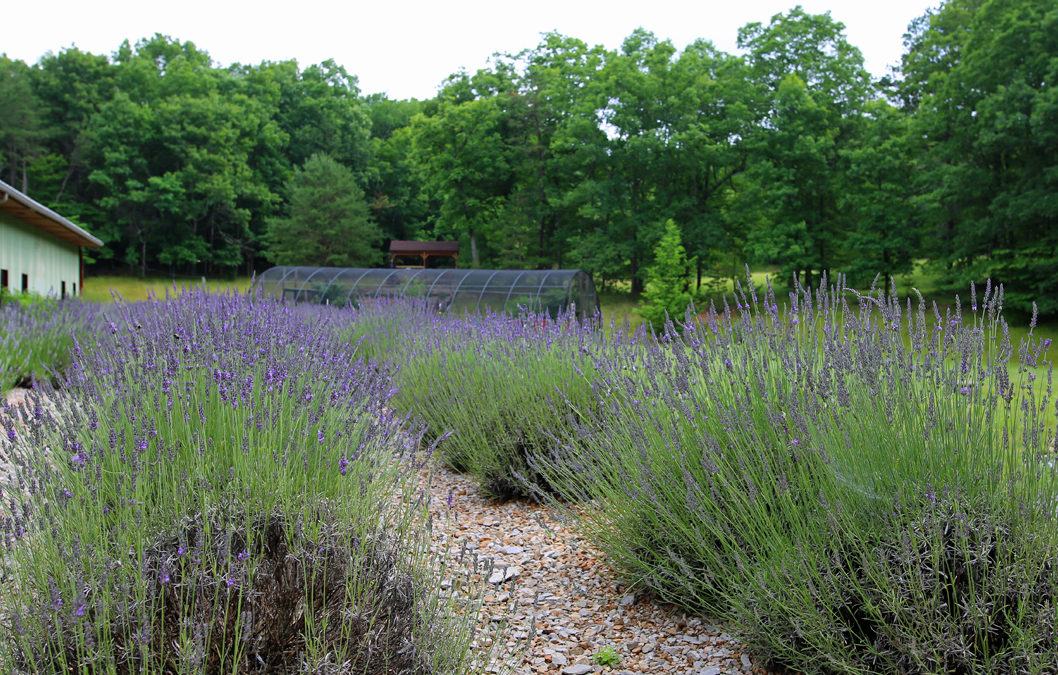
(789, 154)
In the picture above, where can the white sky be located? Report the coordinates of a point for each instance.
(406, 48)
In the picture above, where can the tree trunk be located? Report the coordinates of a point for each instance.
(473, 249)
(212, 237)
(65, 179)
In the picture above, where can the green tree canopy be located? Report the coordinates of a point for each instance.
(979, 80)
(327, 220)
(20, 128)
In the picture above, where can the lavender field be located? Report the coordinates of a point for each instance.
(221, 483)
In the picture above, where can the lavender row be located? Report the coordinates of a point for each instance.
(214, 490)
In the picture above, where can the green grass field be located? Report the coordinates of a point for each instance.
(132, 289)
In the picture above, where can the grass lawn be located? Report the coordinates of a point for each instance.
(132, 289)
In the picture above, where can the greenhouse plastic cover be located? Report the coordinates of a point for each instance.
(452, 290)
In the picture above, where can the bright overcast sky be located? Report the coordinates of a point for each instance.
(407, 48)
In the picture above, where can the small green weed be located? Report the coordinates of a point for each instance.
(607, 656)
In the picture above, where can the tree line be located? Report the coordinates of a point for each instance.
(788, 154)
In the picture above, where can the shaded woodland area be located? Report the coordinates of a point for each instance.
(569, 155)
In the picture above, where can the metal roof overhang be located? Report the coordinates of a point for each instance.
(36, 214)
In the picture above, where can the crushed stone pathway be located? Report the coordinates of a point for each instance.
(566, 591)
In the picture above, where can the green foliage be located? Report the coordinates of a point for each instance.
(328, 222)
(814, 89)
(667, 295)
(877, 196)
(20, 128)
(568, 155)
(607, 657)
(978, 84)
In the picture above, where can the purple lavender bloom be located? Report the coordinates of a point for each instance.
(343, 466)
(243, 555)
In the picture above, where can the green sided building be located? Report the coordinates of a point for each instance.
(40, 251)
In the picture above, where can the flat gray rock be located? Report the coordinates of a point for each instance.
(501, 574)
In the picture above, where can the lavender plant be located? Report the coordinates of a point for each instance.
(382, 328)
(863, 489)
(498, 386)
(218, 491)
(36, 338)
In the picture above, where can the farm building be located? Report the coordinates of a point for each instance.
(40, 251)
(449, 290)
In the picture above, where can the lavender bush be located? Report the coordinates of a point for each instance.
(382, 329)
(218, 491)
(500, 386)
(864, 488)
(36, 338)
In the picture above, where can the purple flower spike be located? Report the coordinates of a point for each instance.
(450, 499)
(343, 465)
(163, 578)
(243, 555)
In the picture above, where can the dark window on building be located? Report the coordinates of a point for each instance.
(62, 285)
(75, 289)
(25, 283)
(3, 278)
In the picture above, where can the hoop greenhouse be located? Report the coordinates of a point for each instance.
(451, 290)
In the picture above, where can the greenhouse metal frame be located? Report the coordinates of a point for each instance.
(452, 289)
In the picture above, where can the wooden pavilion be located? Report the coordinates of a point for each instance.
(423, 250)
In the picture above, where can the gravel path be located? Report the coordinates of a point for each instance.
(579, 608)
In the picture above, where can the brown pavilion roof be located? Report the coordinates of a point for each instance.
(27, 209)
(420, 247)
